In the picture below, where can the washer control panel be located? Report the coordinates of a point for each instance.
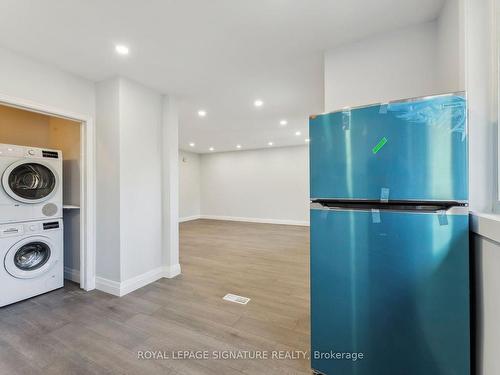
(14, 230)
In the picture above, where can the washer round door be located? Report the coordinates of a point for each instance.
(30, 181)
(30, 257)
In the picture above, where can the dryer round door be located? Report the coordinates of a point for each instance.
(30, 258)
(30, 181)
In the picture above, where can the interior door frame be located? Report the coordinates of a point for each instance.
(87, 181)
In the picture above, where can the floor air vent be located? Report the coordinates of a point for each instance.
(236, 299)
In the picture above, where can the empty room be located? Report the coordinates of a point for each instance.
(261, 187)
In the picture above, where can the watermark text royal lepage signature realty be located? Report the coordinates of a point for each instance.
(247, 354)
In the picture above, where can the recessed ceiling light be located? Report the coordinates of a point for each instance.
(258, 103)
(192, 144)
(270, 143)
(238, 146)
(121, 49)
(211, 149)
(283, 122)
(307, 140)
(202, 113)
(297, 133)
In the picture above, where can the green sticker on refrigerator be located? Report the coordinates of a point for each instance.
(379, 145)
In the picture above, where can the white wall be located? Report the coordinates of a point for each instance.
(170, 186)
(29, 80)
(411, 62)
(395, 65)
(140, 179)
(481, 87)
(189, 185)
(269, 185)
(108, 181)
(451, 47)
(136, 138)
(481, 80)
(130, 150)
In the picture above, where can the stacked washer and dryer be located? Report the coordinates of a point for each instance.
(31, 224)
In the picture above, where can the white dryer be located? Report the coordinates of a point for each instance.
(31, 183)
(32, 253)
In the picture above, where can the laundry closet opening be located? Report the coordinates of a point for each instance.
(27, 129)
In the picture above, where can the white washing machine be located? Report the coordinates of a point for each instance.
(32, 255)
(31, 183)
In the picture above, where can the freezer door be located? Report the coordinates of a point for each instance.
(390, 289)
(412, 150)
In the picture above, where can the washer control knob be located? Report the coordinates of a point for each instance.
(31, 152)
(32, 228)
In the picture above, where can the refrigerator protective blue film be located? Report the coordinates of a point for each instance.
(413, 150)
(395, 289)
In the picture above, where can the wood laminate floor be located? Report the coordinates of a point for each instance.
(70, 331)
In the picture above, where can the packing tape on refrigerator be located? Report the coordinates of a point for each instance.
(383, 108)
(324, 214)
(442, 218)
(376, 217)
(384, 195)
(346, 118)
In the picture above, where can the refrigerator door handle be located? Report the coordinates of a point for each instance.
(421, 207)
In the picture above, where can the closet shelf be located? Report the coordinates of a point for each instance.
(70, 207)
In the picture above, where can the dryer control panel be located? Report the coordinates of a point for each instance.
(28, 152)
(12, 151)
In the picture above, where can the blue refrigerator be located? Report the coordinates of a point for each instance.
(389, 239)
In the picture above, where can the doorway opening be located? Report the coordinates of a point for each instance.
(39, 128)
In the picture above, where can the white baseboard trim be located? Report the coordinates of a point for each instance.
(72, 274)
(139, 281)
(189, 218)
(125, 287)
(256, 220)
(170, 272)
(107, 286)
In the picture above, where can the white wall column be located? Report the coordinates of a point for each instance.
(108, 239)
(481, 91)
(130, 174)
(170, 183)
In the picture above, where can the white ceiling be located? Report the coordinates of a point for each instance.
(219, 55)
